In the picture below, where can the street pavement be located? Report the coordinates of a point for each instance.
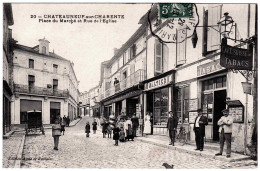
(78, 151)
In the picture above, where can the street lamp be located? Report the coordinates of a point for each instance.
(225, 24)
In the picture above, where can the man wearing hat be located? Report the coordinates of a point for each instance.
(225, 132)
(172, 127)
(199, 129)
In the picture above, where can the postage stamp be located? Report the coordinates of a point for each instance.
(174, 22)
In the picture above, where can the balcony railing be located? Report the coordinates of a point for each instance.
(126, 83)
(25, 89)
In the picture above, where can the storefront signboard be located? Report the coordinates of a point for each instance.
(193, 104)
(209, 68)
(236, 58)
(158, 83)
(192, 116)
(122, 97)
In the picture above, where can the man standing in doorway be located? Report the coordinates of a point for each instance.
(199, 129)
(225, 132)
(172, 127)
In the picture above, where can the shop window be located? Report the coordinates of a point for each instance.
(214, 83)
(183, 104)
(31, 63)
(161, 107)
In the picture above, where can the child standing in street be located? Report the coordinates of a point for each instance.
(109, 131)
(116, 131)
(56, 133)
(94, 124)
(87, 129)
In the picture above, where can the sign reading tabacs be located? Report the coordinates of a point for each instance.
(236, 58)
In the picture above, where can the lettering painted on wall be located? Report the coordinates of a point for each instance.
(236, 58)
(158, 83)
(209, 68)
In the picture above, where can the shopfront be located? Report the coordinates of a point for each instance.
(213, 94)
(158, 101)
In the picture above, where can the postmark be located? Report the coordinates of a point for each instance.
(173, 23)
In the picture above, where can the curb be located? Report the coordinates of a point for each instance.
(18, 160)
(7, 135)
(75, 123)
(182, 149)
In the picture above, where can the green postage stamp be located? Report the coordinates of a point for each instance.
(178, 10)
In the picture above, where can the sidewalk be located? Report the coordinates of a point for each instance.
(74, 122)
(12, 150)
(208, 152)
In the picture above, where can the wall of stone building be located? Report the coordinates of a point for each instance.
(15, 116)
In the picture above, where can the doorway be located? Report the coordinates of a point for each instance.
(219, 105)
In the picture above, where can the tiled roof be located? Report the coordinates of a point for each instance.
(32, 49)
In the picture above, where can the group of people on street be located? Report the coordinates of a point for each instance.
(123, 128)
(225, 130)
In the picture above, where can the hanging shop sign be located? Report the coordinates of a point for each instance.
(236, 58)
(158, 83)
(209, 68)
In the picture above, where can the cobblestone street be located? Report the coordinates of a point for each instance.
(77, 151)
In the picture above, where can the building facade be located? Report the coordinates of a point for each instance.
(45, 82)
(121, 76)
(7, 66)
(94, 102)
(85, 103)
(180, 78)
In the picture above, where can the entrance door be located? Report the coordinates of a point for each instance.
(219, 105)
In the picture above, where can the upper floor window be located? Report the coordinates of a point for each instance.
(55, 68)
(44, 50)
(55, 84)
(161, 57)
(31, 63)
(31, 80)
(132, 51)
(124, 58)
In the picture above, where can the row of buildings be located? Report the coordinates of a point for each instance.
(35, 79)
(156, 77)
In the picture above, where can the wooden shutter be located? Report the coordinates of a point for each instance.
(181, 47)
(158, 56)
(165, 57)
(213, 39)
(132, 75)
(205, 32)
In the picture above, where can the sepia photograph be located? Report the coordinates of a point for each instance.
(113, 85)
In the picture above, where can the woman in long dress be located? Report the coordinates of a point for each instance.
(147, 124)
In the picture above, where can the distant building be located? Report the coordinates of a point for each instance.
(7, 66)
(84, 101)
(94, 102)
(43, 81)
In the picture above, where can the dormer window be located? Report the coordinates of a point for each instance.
(44, 50)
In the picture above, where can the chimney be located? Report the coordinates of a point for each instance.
(44, 46)
(115, 51)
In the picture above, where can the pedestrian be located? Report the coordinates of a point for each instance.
(122, 134)
(116, 131)
(94, 126)
(199, 128)
(56, 133)
(225, 132)
(65, 119)
(135, 122)
(60, 119)
(109, 130)
(68, 121)
(147, 124)
(63, 124)
(87, 129)
(172, 127)
(129, 129)
(104, 128)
